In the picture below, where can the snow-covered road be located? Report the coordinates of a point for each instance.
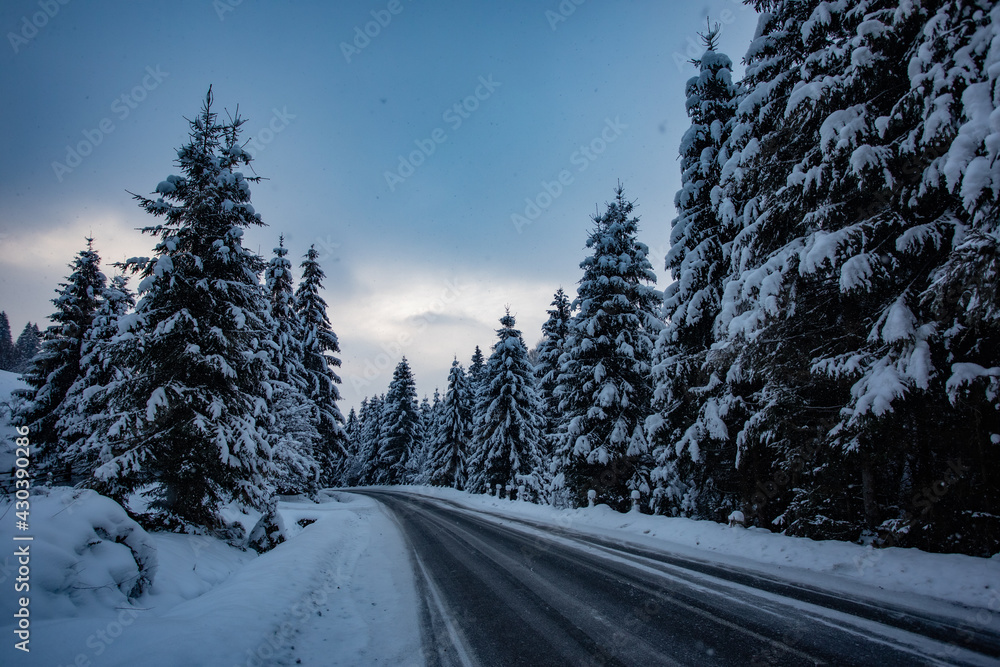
(501, 591)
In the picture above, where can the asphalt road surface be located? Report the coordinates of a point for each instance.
(509, 592)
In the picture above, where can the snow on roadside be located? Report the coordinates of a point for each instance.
(338, 591)
(843, 566)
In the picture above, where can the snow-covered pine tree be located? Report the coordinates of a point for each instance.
(554, 333)
(190, 420)
(83, 411)
(7, 352)
(508, 432)
(450, 443)
(430, 420)
(56, 366)
(293, 434)
(320, 347)
(604, 387)
(695, 467)
(352, 426)
(418, 463)
(862, 165)
(477, 380)
(370, 439)
(400, 429)
(477, 370)
(26, 347)
(433, 418)
(350, 468)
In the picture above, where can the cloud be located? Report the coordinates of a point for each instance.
(430, 315)
(35, 258)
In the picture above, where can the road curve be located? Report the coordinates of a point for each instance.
(509, 594)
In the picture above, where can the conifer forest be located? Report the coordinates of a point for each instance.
(823, 354)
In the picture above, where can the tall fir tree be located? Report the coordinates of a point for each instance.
(293, 434)
(369, 442)
(555, 330)
(8, 355)
(320, 347)
(401, 426)
(83, 411)
(477, 370)
(26, 347)
(352, 426)
(56, 366)
(418, 463)
(604, 386)
(190, 421)
(508, 432)
(349, 473)
(695, 461)
(863, 189)
(450, 443)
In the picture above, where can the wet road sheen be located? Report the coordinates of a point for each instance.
(496, 593)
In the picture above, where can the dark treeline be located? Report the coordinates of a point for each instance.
(15, 356)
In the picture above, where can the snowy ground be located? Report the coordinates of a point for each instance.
(338, 592)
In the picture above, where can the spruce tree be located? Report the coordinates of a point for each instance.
(508, 432)
(400, 426)
(191, 419)
(477, 380)
(56, 366)
(450, 444)
(554, 333)
(863, 190)
(293, 434)
(477, 370)
(695, 462)
(83, 412)
(320, 347)
(369, 442)
(349, 473)
(604, 384)
(8, 355)
(418, 463)
(352, 426)
(26, 347)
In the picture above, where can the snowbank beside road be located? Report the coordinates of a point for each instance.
(338, 592)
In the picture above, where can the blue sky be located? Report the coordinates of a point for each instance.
(446, 163)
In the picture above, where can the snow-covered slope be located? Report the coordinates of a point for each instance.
(339, 591)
